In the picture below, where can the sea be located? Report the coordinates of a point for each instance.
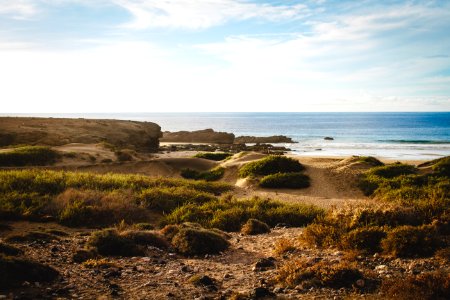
(391, 135)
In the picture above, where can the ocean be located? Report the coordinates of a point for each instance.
(394, 135)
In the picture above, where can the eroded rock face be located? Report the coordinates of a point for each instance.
(60, 131)
(198, 136)
(265, 139)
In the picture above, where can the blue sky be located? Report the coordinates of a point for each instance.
(224, 55)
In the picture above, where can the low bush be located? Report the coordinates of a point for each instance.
(232, 214)
(28, 156)
(9, 250)
(146, 238)
(192, 241)
(87, 199)
(393, 170)
(355, 223)
(410, 241)
(322, 274)
(123, 155)
(271, 164)
(167, 199)
(426, 286)
(285, 180)
(442, 167)
(216, 156)
(211, 175)
(110, 243)
(366, 239)
(253, 227)
(370, 160)
(283, 246)
(16, 270)
(97, 208)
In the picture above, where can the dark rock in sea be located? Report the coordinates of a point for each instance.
(199, 136)
(327, 138)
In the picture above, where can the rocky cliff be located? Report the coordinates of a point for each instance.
(59, 131)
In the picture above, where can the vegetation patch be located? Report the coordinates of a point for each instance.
(211, 175)
(366, 239)
(410, 241)
(426, 286)
(192, 241)
(16, 270)
(370, 160)
(28, 156)
(230, 214)
(322, 274)
(109, 242)
(168, 199)
(216, 156)
(87, 199)
(146, 238)
(271, 164)
(254, 226)
(285, 180)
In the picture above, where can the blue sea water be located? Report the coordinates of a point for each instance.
(389, 135)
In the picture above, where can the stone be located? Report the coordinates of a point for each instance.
(264, 264)
(261, 292)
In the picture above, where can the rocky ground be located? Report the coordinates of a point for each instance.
(247, 268)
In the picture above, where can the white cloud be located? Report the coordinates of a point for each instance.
(199, 14)
(18, 9)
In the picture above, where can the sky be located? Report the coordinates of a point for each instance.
(63, 56)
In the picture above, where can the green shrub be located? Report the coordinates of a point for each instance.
(442, 167)
(146, 238)
(367, 239)
(28, 156)
(253, 227)
(271, 165)
(217, 156)
(9, 250)
(97, 208)
(425, 286)
(55, 182)
(394, 170)
(211, 175)
(191, 241)
(231, 214)
(85, 198)
(167, 199)
(15, 271)
(285, 180)
(370, 160)
(110, 243)
(410, 241)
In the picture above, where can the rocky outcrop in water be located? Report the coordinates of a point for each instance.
(200, 136)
